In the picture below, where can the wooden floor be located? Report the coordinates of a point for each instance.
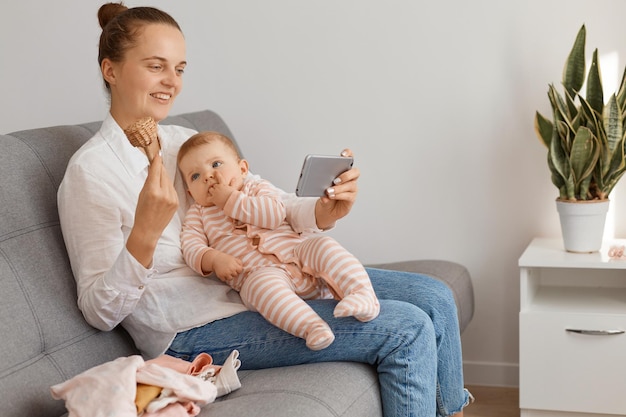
(493, 402)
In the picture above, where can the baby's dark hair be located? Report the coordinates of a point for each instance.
(202, 138)
(122, 25)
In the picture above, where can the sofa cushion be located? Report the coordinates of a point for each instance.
(320, 390)
(45, 339)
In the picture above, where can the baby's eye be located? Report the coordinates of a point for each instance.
(195, 177)
(217, 164)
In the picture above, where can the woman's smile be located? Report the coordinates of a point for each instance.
(164, 97)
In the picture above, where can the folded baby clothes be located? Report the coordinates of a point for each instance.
(227, 379)
(110, 389)
(224, 378)
(145, 394)
(104, 390)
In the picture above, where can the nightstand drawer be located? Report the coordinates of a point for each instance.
(568, 371)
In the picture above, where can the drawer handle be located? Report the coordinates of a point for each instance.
(595, 332)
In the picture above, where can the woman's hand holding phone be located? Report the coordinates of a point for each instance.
(339, 198)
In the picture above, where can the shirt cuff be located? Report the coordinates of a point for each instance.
(132, 275)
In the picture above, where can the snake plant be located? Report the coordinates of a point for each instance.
(585, 139)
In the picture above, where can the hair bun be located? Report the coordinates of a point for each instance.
(108, 11)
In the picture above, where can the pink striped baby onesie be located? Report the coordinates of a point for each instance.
(280, 267)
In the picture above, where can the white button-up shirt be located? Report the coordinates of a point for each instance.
(97, 200)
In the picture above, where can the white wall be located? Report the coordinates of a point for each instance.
(436, 99)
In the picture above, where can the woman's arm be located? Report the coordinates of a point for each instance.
(97, 217)
(109, 279)
(156, 205)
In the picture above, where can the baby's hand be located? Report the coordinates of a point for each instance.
(236, 183)
(226, 266)
(220, 192)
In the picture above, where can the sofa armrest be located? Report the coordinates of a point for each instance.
(454, 275)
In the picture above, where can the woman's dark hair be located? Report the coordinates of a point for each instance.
(121, 27)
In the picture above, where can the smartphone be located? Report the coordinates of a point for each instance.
(318, 173)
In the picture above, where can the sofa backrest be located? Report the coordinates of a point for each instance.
(44, 339)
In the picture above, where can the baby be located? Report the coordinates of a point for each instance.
(237, 228)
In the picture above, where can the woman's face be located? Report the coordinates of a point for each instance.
(149, 78)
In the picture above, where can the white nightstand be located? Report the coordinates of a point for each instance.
(572, 341)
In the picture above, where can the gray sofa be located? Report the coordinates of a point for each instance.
(44, 339)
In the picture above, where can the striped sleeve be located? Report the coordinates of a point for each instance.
(258, 203)
(194, 240)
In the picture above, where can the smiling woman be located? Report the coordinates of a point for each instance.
(122, 216)
(146, 63)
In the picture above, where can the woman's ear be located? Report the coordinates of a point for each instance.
(108, 72)
(243, 164)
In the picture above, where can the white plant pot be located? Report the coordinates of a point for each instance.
(582, 224)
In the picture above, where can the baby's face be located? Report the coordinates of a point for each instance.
(208, 164)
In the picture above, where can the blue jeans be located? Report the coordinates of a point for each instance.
(414, 344)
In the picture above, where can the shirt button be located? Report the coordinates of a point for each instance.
(141, 287)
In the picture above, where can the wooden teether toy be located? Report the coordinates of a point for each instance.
(142, 133)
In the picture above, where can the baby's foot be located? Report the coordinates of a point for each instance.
(362, 305)
(320, 336)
